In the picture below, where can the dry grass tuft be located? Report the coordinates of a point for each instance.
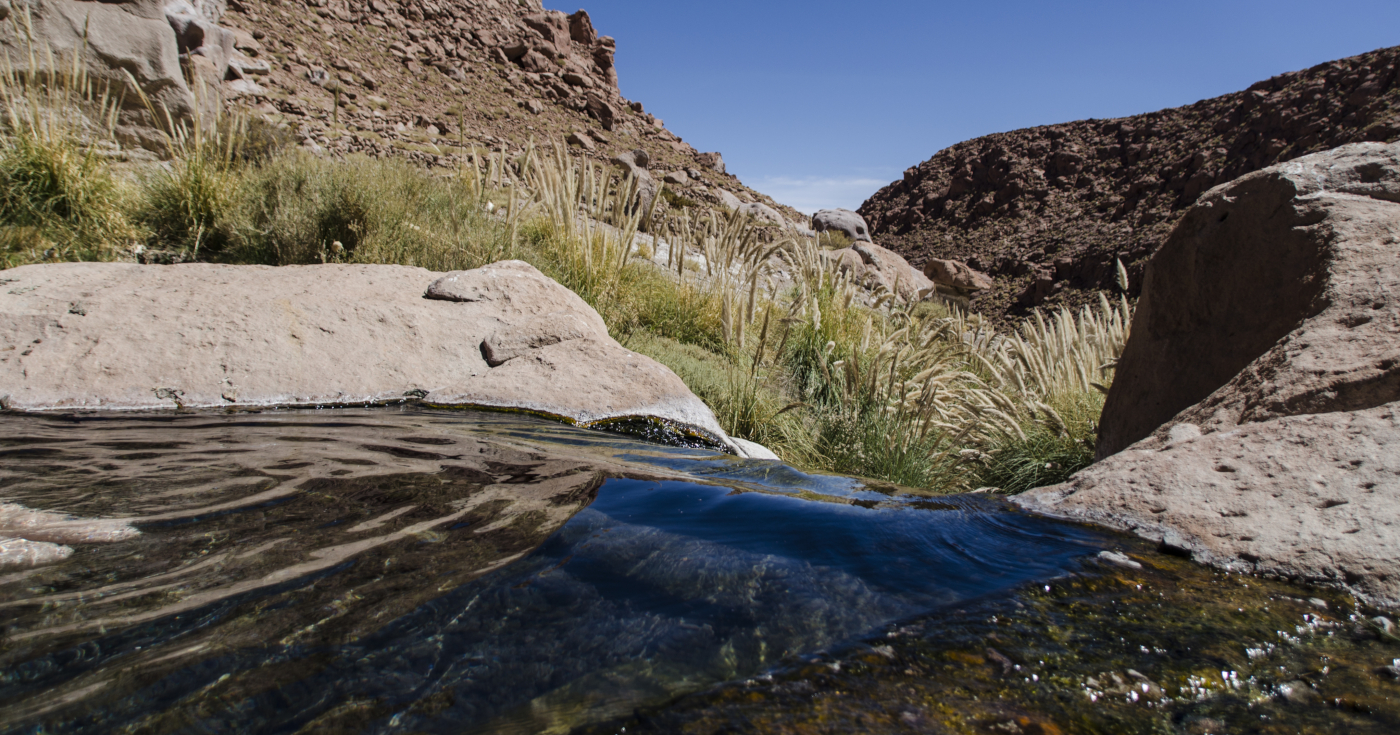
(58, 197)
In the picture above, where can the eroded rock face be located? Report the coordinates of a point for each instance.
(1254, 421)
(711, 160)
(1275, 296)
(118, 336)
(120, 39)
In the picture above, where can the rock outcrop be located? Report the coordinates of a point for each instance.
(845, 221)
(120, 337)
(876, 268)
(1046, 211)
(143, 39)
(440, 84)
(634, 163)
(1254, 421)
(956, 277)
(1275, 296)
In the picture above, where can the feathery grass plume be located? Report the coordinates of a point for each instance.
(187, 204)
(735, 259)
(921, 394)
(58, 197)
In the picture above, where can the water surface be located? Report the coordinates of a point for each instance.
(408, 570)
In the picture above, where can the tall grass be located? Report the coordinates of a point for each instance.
(931, 396)
(58, 197)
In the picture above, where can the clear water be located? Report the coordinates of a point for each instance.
(407, 570)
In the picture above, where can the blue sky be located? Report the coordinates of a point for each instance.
(819, 103)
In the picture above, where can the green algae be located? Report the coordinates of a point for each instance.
(1171, 647)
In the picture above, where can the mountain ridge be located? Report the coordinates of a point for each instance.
(1048, 210)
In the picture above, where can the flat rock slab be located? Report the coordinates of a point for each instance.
(1311, 498)
(112, 336)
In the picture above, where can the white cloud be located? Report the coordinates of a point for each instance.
(808, 194)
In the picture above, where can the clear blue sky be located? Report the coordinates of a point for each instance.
(820, 103)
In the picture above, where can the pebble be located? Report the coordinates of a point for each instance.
(1122, 560)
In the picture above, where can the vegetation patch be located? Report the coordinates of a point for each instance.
(918, 394)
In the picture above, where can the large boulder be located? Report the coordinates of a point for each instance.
(842, 220)
(119, 40)
(875, 267)
(115, 336)
(160, 43)
(713, 161)
(955, 276)
(1273, 297)
(1254, 421)
(762, 213)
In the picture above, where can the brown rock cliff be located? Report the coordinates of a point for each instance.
(1047, 210)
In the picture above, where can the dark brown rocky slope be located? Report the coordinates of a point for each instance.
(1047, 210)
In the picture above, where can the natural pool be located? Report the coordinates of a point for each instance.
(411, 570)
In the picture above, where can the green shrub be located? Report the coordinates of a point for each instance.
(58, 197)
(188, 204)
(298, 208)
(748, 403)
(1042, 458)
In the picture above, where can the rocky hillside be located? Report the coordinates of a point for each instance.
(424, 79)
(429, 79)
(1047, 210)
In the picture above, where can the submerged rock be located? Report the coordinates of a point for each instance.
(115, 336)
(1260, 390)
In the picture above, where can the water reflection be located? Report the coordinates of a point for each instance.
(401, 570)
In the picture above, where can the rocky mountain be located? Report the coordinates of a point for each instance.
(422, 79)
(1046, 211)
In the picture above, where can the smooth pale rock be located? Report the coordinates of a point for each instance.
(679, 178)
(19, 552)
(875, 267)
(17, 521)
(754, 450)
(241, 66)
(635, 163)
(842, 220)
(728, 200)
(761, 212)
(1119, 559)
(956, 276)
(1259, 394)
(118, 336)
(119, 39)
(31, 537)
(242, 88)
